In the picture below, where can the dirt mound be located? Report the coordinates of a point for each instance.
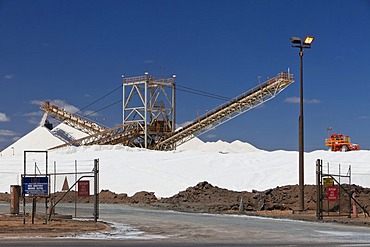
(105, 196)
(212, 199)
(143, 197)
(205, 197)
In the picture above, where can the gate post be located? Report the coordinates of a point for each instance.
(96, 189)
(318, 189)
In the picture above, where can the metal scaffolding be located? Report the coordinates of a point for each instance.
(149, 103)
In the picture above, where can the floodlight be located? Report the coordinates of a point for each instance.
(295, 40)
(308, 40)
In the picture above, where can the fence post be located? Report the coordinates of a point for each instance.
(354, 207)
(96, 189)
(76, 196)
(15, 193)
(318, 190)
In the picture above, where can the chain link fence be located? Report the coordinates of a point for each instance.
(360, 171)
(339, 192)
(74, 189)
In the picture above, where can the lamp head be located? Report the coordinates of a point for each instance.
(308, 40)
(295, 40)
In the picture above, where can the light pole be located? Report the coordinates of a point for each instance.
(298, 43)
(329, 129)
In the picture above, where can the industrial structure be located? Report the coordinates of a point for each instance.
(340, 142)
(149, 114)
(149, 104)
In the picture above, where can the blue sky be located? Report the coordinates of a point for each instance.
(74, 52)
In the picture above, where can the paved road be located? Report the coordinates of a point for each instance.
(142, 227)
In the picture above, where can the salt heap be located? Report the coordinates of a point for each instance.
(42, 138)
(219, 146)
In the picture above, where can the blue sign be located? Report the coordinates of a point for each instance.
(35, 185)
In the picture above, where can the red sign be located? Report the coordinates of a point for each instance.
(84, 188)
(332, 193)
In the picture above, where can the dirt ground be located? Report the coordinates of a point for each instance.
(12, 226)
(279, 202)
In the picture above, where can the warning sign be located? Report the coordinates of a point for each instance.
(84, 188)
(332, 193)
(328, 181)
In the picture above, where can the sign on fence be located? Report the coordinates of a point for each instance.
(332, 193)
(328, 181)
(35, 186)
(84, 188)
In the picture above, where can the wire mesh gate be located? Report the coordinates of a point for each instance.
(335, 194)
(71, 190)
(80, 200)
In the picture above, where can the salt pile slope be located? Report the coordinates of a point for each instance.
(67, 133)
(225, 147)
(41, 138)
(38, 139)
(219, 146)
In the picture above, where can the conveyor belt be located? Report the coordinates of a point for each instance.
(72, 120)
(226, 112)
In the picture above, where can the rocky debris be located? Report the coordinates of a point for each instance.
(5, 197)
(205, 197)
(143, 197)
(106, 196)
